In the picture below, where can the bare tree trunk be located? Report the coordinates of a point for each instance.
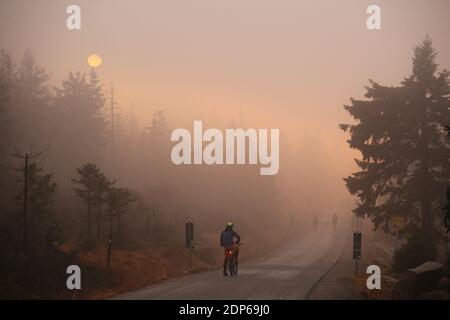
(99, 213)
(25, 208)
(118, 222)
(426, 210)
(147, 224)
(89, 217)
(32, 228)
(108, 258)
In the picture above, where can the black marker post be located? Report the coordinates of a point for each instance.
(356, 249)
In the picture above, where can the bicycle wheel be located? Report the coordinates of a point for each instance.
(232, 265)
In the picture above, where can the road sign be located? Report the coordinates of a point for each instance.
(397, 222)
(189, 226)
(357, 245)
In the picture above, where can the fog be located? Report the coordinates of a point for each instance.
(252, 64)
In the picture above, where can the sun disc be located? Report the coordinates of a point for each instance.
(94, 60)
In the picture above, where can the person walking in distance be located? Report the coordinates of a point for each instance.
(334, 221)
(316, 222)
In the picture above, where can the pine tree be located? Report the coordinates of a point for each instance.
(41, 193)
(90, 181)
(103, 185)
(153, 148)
(404, 169)
(118, 200)
(159, 126)
(6, 122)
(6, 83)
(80, 127)
(31, 103)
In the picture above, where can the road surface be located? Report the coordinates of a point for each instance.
(292, 272)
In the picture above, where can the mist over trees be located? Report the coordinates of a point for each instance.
(84, 183)
(404, 169)
(79, 126)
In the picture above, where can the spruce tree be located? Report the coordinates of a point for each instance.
(404, 170)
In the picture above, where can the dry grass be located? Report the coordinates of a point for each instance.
(131, 270)
(134, 264)
(382, 294)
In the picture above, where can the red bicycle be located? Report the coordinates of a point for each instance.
(231, 257)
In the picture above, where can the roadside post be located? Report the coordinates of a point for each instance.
(108, 262)
(150, 221)
(147, 224)
(189, 228)
(356, 249)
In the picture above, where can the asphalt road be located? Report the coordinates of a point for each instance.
(292, 272)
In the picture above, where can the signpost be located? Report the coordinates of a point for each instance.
(356, 249)
(108, 262)
(397, 223)
(189, 227)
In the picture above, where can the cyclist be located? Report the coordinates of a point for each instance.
(227, 242)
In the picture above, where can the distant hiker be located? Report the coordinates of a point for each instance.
(316, 222)
(334, 222)
(227, 242)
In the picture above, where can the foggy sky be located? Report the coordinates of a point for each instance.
(287, 64)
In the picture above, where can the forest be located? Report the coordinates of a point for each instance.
(80, 184)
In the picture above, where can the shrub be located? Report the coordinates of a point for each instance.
(413, 254)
